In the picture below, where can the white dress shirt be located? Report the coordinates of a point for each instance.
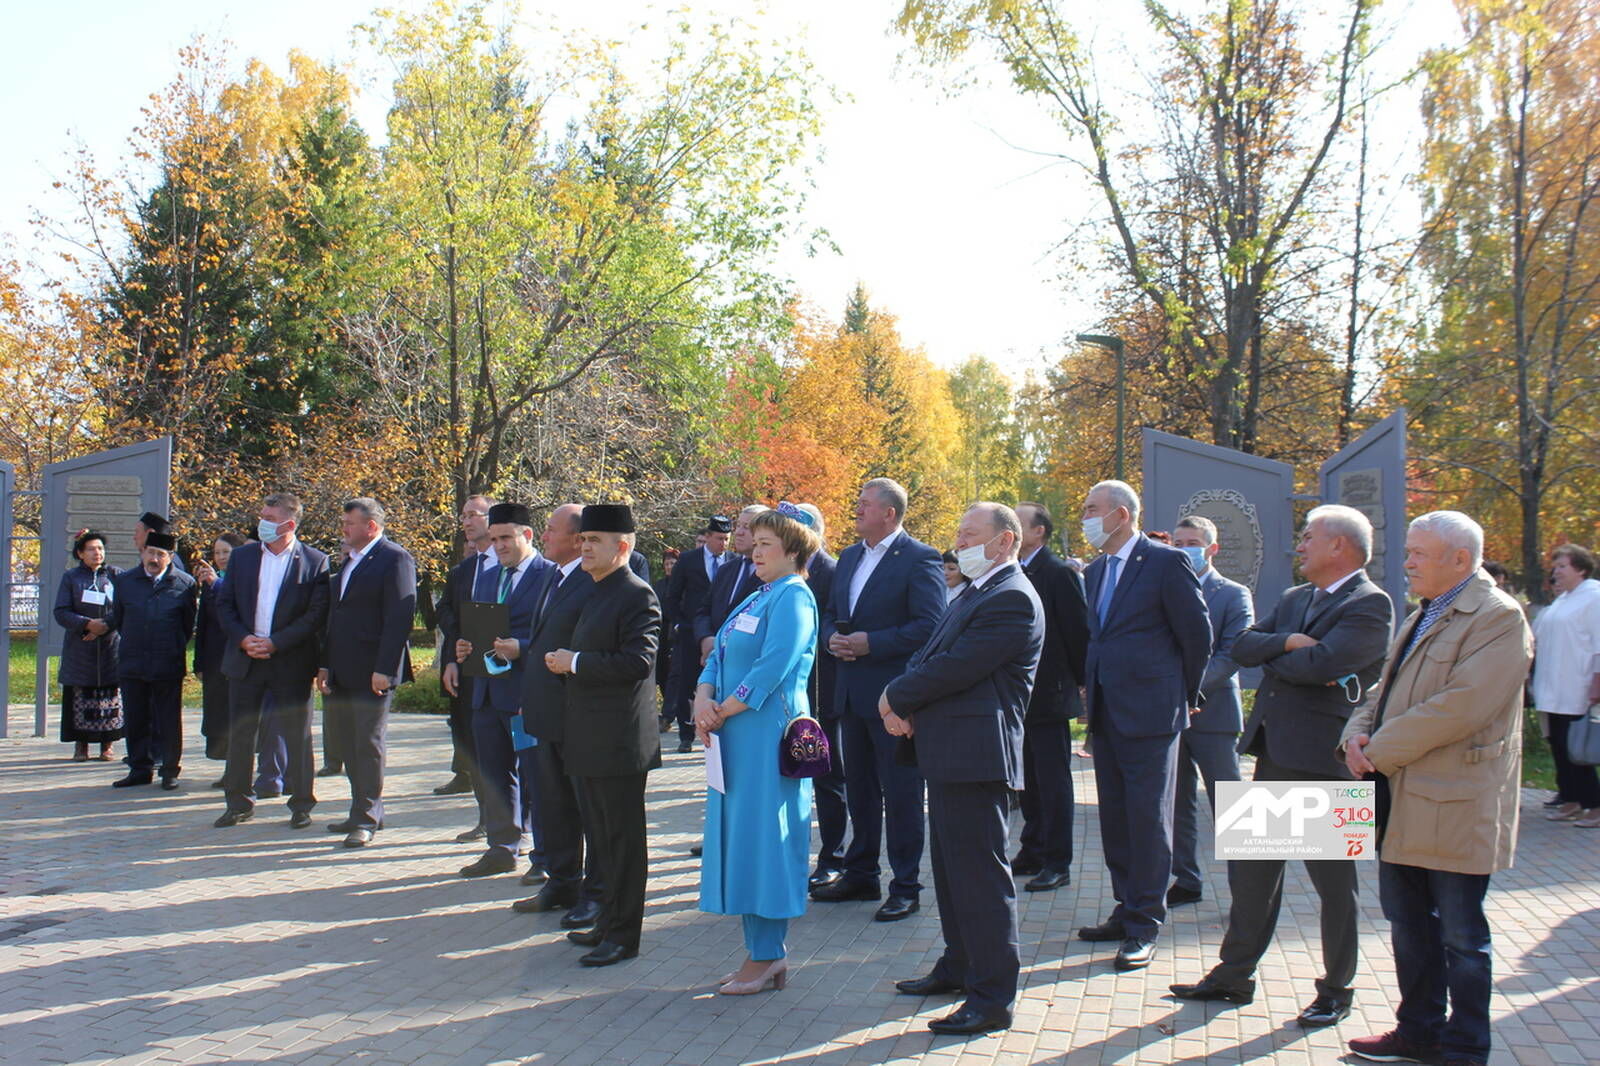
(870, 558)
(350, 565)
(269, 582)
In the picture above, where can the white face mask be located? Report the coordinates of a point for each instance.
(973, 563)
(1095, 532)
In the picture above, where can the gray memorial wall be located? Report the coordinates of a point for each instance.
(1369, 474)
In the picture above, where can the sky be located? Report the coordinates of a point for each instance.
(949, 209)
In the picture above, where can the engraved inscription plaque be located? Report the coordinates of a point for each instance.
(1240, 545)
(1363, 490)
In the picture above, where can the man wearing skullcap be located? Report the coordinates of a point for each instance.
(154, 610)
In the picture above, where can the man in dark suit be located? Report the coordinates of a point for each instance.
(575, 881)
(1320, 633)
(1207, 746)
(687, 593)
(1045, 853)
(832, 814)
(497, 699)
(153, 607)
(1149, 639)
(372, 602)
(959, 707)
(459, 586)
(735, 580)
(271, 610)
(888, 593)
(611, 738)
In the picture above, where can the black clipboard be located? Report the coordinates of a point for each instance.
(481, 625)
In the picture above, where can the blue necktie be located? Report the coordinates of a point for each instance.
(1107, 587)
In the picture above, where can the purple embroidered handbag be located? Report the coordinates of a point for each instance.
(803, 751)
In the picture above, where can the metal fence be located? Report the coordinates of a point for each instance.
(24, 607)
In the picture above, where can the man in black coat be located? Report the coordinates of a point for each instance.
(153, 608)
(959, 707)
(687, 593)
(271, 608)
(575, 880)
(1047, 803)
(735, 580)
(833, 815)
(611, 738)
(372, 603)
(459, 585)
(1318, 634)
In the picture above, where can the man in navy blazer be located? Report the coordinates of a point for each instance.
(1149, 639)
(271, 610)
(888, 593)
(960, 707)
(828, 789)
(688, 591)
(497, 699)
(1206, 750)
(459, 585)
(366, 653)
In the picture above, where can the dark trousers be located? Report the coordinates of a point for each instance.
(832, 815)
(359, 721)
(1574, 783)
(214, 713)
(332, 753)
(1257, 888)
(463, 738)
(290, 707)
(566, 830)
(500, 789)
(617, 807)
(273, 743)
(681, 683)
(1211, 757)
(968, 824)
(1135, 778)
(1047, 802)
(1441, 956)
(152, 712)
(879, 789)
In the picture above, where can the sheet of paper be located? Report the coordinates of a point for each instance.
(714, 764)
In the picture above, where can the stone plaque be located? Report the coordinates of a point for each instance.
(1369, 474)
(130, 504)
(1363, 490)
(1240, 544)
(106, 486)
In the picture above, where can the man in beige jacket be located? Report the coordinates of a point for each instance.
(1442, 736)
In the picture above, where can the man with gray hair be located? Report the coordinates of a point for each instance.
(1319, 650)
(1443, 739)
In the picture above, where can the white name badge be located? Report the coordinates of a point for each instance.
(94, 596)
(746, 623)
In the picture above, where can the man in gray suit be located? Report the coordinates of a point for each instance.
(1320, 649)
(1206, 749)
(959, 707)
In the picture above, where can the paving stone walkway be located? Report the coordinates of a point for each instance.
(131, 932)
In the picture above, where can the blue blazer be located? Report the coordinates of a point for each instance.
(503, 692)
(1144, 666)
(726, 593)
(1228, 604)
(297, 617)
(687, 590)
(966, 690)
(369, 627)
(898, 608)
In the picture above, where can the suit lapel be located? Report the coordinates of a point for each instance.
(359, 568)
(883, 564)
(1128, 574)
(1316, 610)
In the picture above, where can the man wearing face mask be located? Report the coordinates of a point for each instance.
(1207, 746)
(959, 708)
(1319, 650)
(1149, 639)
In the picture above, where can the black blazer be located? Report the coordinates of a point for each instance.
(1066, 638)
(824, 676)
(1298, 716)
(555, 614)
(687, 591)
(611, 723)
(297, 617)
(966, 690)
(727, 592)
(369, 627)
(156, 619)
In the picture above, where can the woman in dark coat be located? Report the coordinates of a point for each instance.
(91, 707)
(209, 642)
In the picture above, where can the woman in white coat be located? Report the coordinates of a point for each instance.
(1566, 676)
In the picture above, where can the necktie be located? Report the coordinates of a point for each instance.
(1108, 587)
(716, 564)
(550, 593)
(505, 584)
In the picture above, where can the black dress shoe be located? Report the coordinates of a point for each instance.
(969, 1021)
(536, 875)
(585, 913)
(844, 889)
(607, 954)
(358, 837)
(347, 825)
(1135, 954)
(131, 780)
(232, 818)
(824, 877)
(549, 899)
(493, 861)
(587, 938)
(1178, 895)
(1025, 866)
(697, 850)
(473, 835)
(1111, 929)
(1326, 1009)
(1049, 881)
(897, 907)
(455, 786)
(169, 784)
(331, 771)
(927, 986)
(1210, 990)
(685, 748)
(300, 820)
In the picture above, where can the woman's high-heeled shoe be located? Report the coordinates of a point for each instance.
(777, 975)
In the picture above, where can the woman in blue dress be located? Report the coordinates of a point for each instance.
(758, 833)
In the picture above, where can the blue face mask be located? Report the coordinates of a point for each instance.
(267, 532)
(1197, 558)
(494, 664)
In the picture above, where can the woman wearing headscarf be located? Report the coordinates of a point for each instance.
(91, 707)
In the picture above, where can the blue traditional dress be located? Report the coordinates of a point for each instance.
(758, 834)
